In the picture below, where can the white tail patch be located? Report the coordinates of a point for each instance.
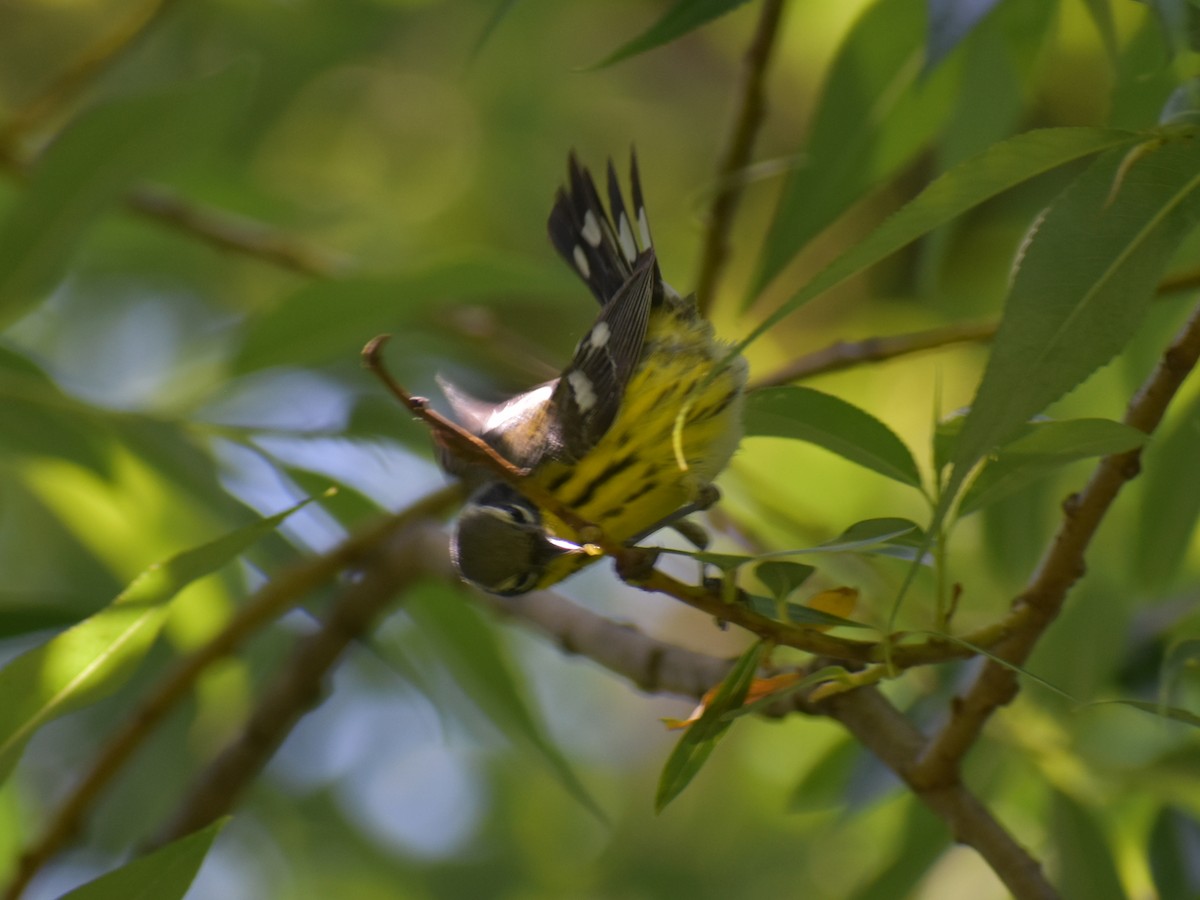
(625, 235)
(599, 336)
(644, 227)
(591, 229)
(581, 263)
(581, 385)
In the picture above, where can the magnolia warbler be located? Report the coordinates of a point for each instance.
(603, 436)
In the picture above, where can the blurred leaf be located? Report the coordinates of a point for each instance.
(1000, 167)
(950, 21)
(1174, 713)
(22, 613)
(333, 319)
(165, 874)
(923, 839)
(1173, 850)
(1085, 857)
(875, 114)
(40, 420)
(824, 785)
(803, 414)
(1180, 656)
(499, 14)
(683, 17)
(781, 577)
(86, 170)
(1074, 304)
(697, 743)
(469, 649)
(1101, 13)
(92, 659)
(1170, 500)
(1042, 449)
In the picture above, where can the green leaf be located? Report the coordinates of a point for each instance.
(1085, 857)
(1101, 14)
(781, 577)
(803, 414)
(1042, 449)
(877, 111)
(1170, 502)
(95, 160)
(798, 614)
(866, 533)
(1174, 713)
(1173, 848)
(1000, 167)
(165, 874)
(924, 838)
(950, 21)
(697, 743)
(468, 648)
(1074, 303)
(42, 421)
(333, 319)
(684, 16)
(92, 659)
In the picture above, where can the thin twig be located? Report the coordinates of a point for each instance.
(275, 598)
(237, 234)
(395, 561)
(1061, 566)
(847, 354)
(748, 117)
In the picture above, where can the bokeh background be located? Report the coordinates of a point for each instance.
(399, 158)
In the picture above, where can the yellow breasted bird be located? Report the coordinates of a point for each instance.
(602, 436)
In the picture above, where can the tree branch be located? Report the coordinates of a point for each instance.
(748, 117)
(1061, 566)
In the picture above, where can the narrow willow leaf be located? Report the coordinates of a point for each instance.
(84, 172)
(1000, 167)
(1174, 713)
(1101, 14)
(697, 743)
(92, 659)
(499, 14)
(469, 649)
(798, 614)
(683, 17)
(781, 577)
(950, 21)
(924, 838)
(803, 414)
(1085, 856)
(828, 673)
(1075, 302)
(1173, 848)
(867, 533)
(1043, 449)
(165, 874)
(878, 109)
(1170, 500)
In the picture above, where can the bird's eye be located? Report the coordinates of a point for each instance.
(522, 515)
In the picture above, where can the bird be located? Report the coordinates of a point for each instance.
(629, 436)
